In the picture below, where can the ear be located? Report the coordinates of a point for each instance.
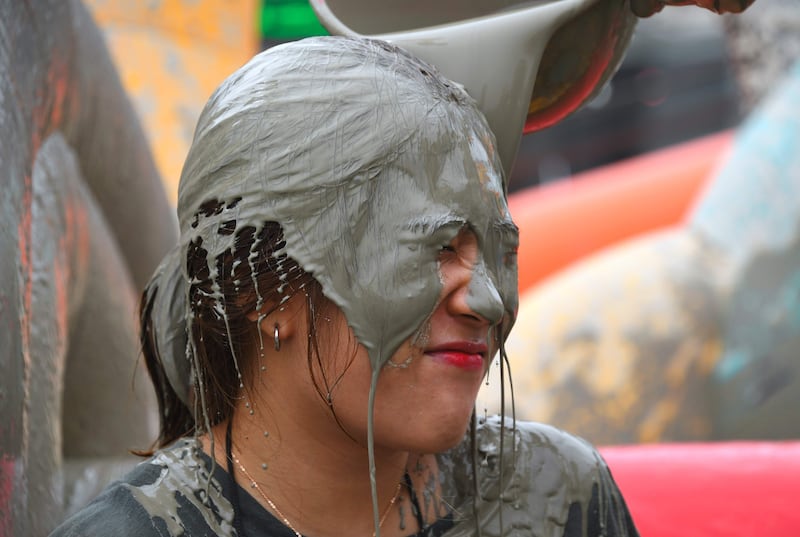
(290, 318)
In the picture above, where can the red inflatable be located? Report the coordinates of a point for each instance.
(563, 222)
(726, 489)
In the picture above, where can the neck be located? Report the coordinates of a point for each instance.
(322, 488)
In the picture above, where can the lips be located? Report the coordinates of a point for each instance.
(467, 355)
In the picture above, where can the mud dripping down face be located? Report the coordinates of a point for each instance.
(370, 162)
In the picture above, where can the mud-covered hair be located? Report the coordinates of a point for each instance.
(223, 340)
(298, 140)
(290, 158)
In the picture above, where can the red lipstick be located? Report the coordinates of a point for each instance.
(467, 355)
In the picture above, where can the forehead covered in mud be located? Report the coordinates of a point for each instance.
(369, 160)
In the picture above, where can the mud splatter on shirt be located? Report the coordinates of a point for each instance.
(554, 485)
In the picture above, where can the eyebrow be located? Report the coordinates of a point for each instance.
(505, 227)
(431, 225)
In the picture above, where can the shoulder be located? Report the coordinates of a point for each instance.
(115, 512)
(548, 482)
(546, 452)
(537, 453)
(172, 493)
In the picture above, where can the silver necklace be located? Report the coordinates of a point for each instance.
(254, 484)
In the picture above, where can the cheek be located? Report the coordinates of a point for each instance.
(503, 272)
(509, 285)
(415, 345)
(388, 289)
(338, 353)
(350, 393)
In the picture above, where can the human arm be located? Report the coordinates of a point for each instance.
(646, 8)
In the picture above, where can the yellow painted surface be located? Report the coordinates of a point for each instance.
(618, 348)
(171, 55)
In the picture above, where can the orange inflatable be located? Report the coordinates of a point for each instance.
(563, 222)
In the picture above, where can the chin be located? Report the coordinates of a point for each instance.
(429, 435)
(447, 443)
(444, 435)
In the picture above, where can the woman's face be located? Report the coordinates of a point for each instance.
(426, 391)
(421, 262)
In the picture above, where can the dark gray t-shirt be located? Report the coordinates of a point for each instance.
(556, 486)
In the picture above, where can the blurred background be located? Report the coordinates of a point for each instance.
(675, 84)
(659, 255)
(640, 254)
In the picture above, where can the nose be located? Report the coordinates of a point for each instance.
(482, 295)
(472, 292)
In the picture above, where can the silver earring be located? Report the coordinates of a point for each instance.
(277, 338)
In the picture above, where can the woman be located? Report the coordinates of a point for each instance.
(345, 273)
